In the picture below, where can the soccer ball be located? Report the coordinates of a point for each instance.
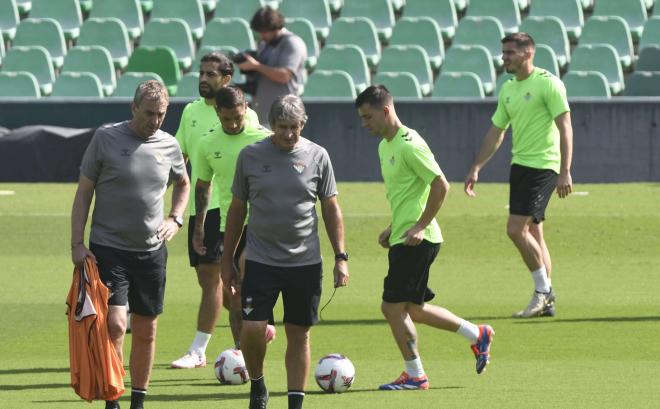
(334, 373)
(230, 368)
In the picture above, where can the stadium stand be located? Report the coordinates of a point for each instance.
(643, 84)
(632, 11)
(349, 58)
(442, 12)
(506, 11)
(586, 84)
(359, 31)
(65, 12)
(400, 84)
(330, 84)
(460, 5)
(128, 11)
(651, 35)
(94, 59)
(44, 32)
(19, 84)
(568, 11)
(545, 58)
(159, 60)
(244, 9)
(188, 86)
(86, 6)
(234, 32)
(9, 19)
(190, 11)
(2, 51)
(408, 58)
(379, 11)
(24, 6)
(422, 31)
(35, 60)
(304, 29)
(471, 58)
(316, 11)
(127, 83)
(458, 85)
(109, 33)
(77, 84)
(208, 5)
(551, 32)
(602, 58)
(173, 33)
(612, 30)
(486, 31)
(649, 58)
(146, 6)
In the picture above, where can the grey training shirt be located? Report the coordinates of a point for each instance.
(131, 176)
(282, 188)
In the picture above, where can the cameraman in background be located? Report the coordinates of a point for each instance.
(279, 64)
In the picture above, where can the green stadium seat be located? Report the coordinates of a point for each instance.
(586, 84)
(109, 33)
(86, 6)
(229, 31)
(244, 9)
(504, 77)
(24, 6)
(128, 11)
(379, 11)
(2, 51)
(458, 85)
(471, 58)
(506, 11)
(44, 32)
(359, 31)
(304, 29)
(316, 11)
(65, 12)
(632, 11)
(127, 83)
(486, 31)
(545, 58)
(334, 84)
(649, 58)
(442, 12)
(94, 59)
(550, 31)
(9, 19)
(146, 6)
(422, 31)
(649, 4)
(460, 5)
(602, 58)
(209, 5)
(190, 11)
(335, 5)
(523, 4)
(173, 33)
(35, 60)
(19, 84)
(160, 60)
(643, 84)
(568, 11)
(77, 84)
(651, 34)
(188, 86)
(408, 58)
(612, 30)
(400, 84)
(349, 58)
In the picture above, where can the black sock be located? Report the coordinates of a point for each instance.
(296, 399)
(137, 398)
(258, 386)
(111, 404)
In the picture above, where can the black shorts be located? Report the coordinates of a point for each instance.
(530, 190)
(213, 240)
(408, 274)
(136, 277)
(300, 287)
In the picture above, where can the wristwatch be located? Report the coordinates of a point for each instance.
(177, 219)
(341, 256)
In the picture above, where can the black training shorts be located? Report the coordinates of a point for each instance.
(212, 239)
(530, 190)
(408, 274)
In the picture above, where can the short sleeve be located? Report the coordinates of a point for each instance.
(182, 132)
(240, 187)
(294, 53)
(178, 169)
(420, 159)
(501, 117)
(327, 185)
(92, 161)
(556, 100)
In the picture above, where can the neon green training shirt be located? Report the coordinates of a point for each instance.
(218, 153)
(408, 168)
(198, 119)
(531, 106)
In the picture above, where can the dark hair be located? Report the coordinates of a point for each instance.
(225, 67)
(267, 19)
(374, 95)
(229, 97)
(522, 40)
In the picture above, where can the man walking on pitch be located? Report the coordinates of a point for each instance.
(199, 118)
(534, 103)
(281, 178)
(416, 189)
(128, 166)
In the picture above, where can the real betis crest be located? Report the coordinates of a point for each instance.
(392, 160)
(299, 167)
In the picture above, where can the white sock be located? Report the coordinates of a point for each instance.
(541, 282)
(200, 342)
(414, 368)
(469, 331)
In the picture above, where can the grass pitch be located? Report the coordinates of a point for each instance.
(601, 351)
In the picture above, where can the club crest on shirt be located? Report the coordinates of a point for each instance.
(159, 158)
(527, 97)
(299, 167)
(392, 161)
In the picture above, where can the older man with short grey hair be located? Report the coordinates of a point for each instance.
(281, 178)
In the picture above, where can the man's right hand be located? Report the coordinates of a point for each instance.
(471, 180)
(228, 273)
(198, 241)
(384, 238)
(79, 253)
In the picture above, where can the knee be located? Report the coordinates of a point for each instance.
(209, 281)
(415, 312)
(144, 334)
(116, 329)
(390, 310)
(515, 232)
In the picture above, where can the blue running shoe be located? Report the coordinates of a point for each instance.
(406, 382)
(481, 349)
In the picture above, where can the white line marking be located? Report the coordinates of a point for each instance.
(7, 193)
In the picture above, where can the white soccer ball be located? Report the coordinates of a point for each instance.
(334, 373)
(230, 368)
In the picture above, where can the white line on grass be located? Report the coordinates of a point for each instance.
(7, 193)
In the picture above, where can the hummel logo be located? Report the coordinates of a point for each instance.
(125, 152)
(506, 101)
(193, 123)
(248, 306)
(406, 137)
(217, 155)
(266, 169)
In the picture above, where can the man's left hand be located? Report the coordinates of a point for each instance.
(167, 229)
(250, 64)
(341, 273)
(564, 184)
(413, 236)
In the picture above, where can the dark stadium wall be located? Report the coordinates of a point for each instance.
(615, 141)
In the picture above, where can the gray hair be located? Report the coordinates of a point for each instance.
(150, 89)
(287, 108)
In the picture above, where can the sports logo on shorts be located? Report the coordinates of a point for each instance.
(248, 306)
(299, 167)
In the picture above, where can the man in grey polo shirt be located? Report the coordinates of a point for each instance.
(280, 63)
(281, 178)
(128, 166)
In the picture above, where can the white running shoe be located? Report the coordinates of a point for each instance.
(536, 305)
(189, 361)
